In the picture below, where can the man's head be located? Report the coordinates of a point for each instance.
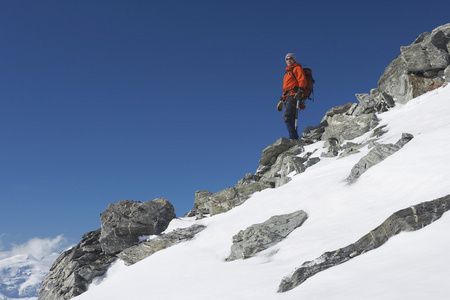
(290, 59)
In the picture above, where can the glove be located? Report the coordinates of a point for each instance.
(302, 105)
(300, 94)
(280, 105)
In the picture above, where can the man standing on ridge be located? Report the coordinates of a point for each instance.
(294, 85)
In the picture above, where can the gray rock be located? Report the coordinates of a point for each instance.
(376, 155)
(201, 200)
(125, 221)
(395, 81)
(429, 51)
(419, 57)
(259, 237)
(343, 127)
(270, 153)
(350, 148)
(75, 268)
(285, 163)
(145, 249)
(224, 200)
(447, 74)
(408, 219)
(379, 131)
(383, 101)
(340, 110)
(405, 77)
(313, 134)
(366, 105)
(333, 148)
(122, 224)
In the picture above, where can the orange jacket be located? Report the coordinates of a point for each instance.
(291, 83)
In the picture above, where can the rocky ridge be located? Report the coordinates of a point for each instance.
(421, 67)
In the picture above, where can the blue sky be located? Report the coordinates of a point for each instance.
(108, 100)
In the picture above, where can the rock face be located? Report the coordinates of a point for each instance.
(408, 219)
(122, 224)
(259, 237)
(75, 268)
(137, 253)
(347, 127)
(418, 69)
(125, 221)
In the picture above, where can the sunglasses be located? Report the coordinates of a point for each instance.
(289, 58)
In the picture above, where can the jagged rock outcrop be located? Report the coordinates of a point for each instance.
(270, 154)
(146, 248)
(278, 161)
(409, 219)
(259, 237)
(376, 155)
(206, 203)
(344, 127)
(125, 221)
(122, 225)
(75, 268)
(313, 134)
(418, 69)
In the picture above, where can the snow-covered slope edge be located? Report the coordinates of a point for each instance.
(410, 265)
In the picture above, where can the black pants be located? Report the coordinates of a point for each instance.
(289, 116)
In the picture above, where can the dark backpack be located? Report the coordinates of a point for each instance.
(309, 82)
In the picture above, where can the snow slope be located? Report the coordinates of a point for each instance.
(411, 265)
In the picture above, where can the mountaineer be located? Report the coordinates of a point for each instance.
(294, 85)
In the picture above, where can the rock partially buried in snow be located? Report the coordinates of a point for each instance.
(259, 237)
(144, 249)
(376, 155)
(409, 219)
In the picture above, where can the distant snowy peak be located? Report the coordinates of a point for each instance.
(21, 275)
(24, 266)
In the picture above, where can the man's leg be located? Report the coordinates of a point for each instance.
(289, 112)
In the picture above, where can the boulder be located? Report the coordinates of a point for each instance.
(408, 219)
(259, 237)
(122, 225)
(417, 69)
(125, 221)
(366, 104)
(422, 58)
(270, 153)
(285, 163)
(344, 127)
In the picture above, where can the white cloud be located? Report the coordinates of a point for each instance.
(36, 247)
